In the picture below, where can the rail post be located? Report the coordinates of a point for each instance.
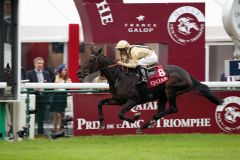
(27, 101)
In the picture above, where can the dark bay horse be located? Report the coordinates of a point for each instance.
(126, 93)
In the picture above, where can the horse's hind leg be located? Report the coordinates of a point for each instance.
(171, 97)
(126, 107)
(161, 109)
(108, 101)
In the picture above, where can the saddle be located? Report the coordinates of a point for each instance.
(156, 76)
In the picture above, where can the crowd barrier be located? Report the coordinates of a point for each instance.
(105, 85)
(3, 85)
(20, 116)
(86, 120)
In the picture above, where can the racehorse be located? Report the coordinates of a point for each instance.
(125, 92)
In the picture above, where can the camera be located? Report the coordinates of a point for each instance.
(57, 135)
(32, 111)
(22, 133)
(66, 119)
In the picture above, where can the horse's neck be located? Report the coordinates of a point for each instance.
(112, 74)
(108, 72)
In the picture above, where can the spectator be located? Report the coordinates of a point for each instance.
(38, 74)
(59, 99)
(42, 101)
(223, 77)
(100, 79)
(23, 74)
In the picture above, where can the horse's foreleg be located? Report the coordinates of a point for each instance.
(126, 107)
(108, 101)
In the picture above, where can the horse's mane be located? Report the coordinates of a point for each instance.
(111, 61)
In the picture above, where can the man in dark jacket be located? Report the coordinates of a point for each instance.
(39, 75)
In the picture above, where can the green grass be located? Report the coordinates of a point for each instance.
(131, 147)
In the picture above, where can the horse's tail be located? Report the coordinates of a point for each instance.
(205, 91)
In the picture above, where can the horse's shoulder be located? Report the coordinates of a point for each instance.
(171, 66)
(129, 71)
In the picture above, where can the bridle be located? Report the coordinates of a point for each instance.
(103, 68)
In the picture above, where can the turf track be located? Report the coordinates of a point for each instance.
(130, 147)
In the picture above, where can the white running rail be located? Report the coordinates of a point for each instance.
(105, 85)
(222, 84)
(64, 85)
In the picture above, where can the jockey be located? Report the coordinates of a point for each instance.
(136, 56)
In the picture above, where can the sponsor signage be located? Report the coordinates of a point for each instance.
(108, 21)
(228, 115)
(232, 67)
(196, 115)
(181, 26)
(186, 24)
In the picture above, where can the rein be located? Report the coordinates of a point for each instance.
(113, 65)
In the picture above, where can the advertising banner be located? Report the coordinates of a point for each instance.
(195, 115)
(108, 22)
(181, 26)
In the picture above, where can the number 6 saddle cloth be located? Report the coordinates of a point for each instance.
(156, 76)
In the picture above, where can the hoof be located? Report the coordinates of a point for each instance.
(152, 123)
(139, 131)
(137, 115)
(102, 126)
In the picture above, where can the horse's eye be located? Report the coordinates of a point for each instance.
(91, 59)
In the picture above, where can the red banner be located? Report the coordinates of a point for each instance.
(73, 52)
(196, 115)
(179, 25)
(186, 30)
(108, 22)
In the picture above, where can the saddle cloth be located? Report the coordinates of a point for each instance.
(156, 76)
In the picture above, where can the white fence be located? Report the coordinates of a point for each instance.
(222, 84)
(105, 85)
(20, 110)
(64, 85)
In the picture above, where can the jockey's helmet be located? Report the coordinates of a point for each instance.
(122, 44)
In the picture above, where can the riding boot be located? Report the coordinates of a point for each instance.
(143, 74)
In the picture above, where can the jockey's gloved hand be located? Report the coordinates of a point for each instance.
(120, 62)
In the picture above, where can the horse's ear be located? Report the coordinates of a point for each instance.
(96, 50)
(100, 51)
